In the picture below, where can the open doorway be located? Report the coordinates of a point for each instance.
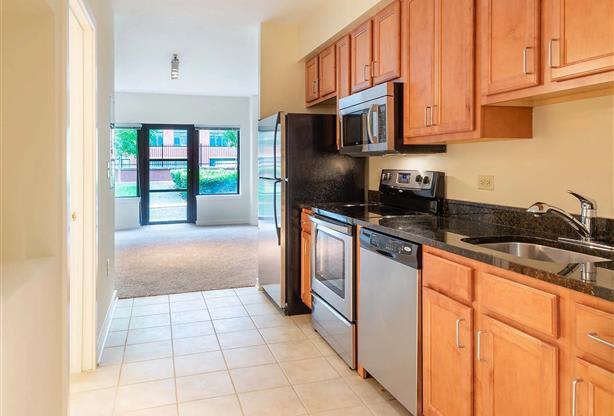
(81, 169)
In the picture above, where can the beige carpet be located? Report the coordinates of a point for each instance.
(177, 258)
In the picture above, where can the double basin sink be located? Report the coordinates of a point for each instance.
(534, 249)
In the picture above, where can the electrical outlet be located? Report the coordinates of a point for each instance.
(486, 182)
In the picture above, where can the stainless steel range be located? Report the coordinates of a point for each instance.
(334, 245)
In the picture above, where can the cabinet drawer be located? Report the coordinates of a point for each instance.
(448, 277)
(523, 304)
(594, 330)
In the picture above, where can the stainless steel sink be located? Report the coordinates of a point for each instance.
(539, 252)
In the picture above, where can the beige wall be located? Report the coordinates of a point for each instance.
(33, 282)
(572, 148)
(330, 19)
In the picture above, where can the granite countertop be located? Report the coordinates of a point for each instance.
(448, 232)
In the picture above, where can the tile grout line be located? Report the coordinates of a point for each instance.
(121, 365)
(170, 318)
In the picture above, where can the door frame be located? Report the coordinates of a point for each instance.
(82, 289)
(143, 162)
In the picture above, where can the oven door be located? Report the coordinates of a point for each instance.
(332, 259)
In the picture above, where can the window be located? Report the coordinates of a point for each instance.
(125, 142)
(180, 138)
(156, 138)
(218, 159)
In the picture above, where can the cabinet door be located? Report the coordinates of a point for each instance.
(306, 268)
(447, 356)
(581, 38)
(517, 374)
(311, 80)
(327, 73)
(510, 48)
(593, 388)
(343, 67)
(453, 106)
(418, 93)
(387, 44)
(361, 57)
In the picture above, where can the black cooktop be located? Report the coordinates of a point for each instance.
(363, 211)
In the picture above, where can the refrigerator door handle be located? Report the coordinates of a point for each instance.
(277, 227)
(277, 122)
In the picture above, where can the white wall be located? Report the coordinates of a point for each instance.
(127, 213)
(33, 279)
(214, 112)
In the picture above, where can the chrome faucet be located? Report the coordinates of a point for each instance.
(585, 227)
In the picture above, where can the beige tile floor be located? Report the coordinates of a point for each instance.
(220, 353)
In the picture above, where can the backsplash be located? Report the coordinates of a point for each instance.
(517, 218)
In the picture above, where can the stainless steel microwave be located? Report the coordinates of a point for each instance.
(371, 123)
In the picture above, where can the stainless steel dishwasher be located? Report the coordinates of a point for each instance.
(388, 315)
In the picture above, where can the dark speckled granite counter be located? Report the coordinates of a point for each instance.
(448, 232)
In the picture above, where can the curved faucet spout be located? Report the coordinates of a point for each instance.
(541, 208)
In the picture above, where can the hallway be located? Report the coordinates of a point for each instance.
(176, 258)
(220, 353)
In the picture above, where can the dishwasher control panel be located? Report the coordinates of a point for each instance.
(403, 251)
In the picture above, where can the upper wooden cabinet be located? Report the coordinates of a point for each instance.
(327, 73)
(440, 91)
(361, 57)
(517, 374)
(342, 49)
(447, 356)
(511, 49)
(320, 77)
(311, 80)
(581, 39)
(387, 44)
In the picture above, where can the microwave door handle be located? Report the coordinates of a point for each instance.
(375, 123)
(369, 127)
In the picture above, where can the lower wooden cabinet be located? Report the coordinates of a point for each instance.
(447, 356)
(592, 390)
(516, 373)
(306, 268)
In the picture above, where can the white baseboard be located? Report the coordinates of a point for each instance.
(106, 326)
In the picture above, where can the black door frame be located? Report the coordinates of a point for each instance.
(143, 162)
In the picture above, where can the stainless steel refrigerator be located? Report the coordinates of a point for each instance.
(298, 165)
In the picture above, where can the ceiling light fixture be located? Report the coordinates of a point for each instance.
(175, 67)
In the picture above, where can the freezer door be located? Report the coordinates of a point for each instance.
(271, 194)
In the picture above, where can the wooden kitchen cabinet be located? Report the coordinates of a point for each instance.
(361, 57)
(387, 44)
(311, 80)
(517, 374)
(581, 38)
(306, 257)
(342, 56)
(327, 74)
(593, 387)
(511, 48)
(447, 356)
(440, 92)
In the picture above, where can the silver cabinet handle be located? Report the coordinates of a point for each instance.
(458, 344)
(427, 110)
(595, 337)
(365, 75)
(524, 60)
(431, 115)
(479, 345)
(550, 53)
(574, 384)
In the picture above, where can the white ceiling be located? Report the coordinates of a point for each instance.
(216, 40)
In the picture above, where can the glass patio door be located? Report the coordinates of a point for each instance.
(167, 186)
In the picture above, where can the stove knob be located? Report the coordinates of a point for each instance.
(419, 178)
(426, 180)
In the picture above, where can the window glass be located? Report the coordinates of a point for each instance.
(126, 166)
(218, 159)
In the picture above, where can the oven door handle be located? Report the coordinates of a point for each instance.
(341, 228)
